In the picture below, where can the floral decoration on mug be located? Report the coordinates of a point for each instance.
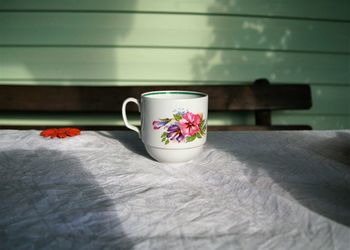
(182, 127)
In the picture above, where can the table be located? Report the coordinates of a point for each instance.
(247, 190)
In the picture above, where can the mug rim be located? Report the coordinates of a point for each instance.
(197, 94)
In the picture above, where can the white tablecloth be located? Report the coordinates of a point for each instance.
(247, 190)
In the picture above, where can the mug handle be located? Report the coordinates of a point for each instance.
(125, 118)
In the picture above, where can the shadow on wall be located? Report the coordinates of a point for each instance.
(312, 170)
(248, 47)
(61, 44)
(50, 201)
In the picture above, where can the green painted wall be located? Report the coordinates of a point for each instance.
(181, 42)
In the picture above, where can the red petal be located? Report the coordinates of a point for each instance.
(53, 136)
(72, 131)
(49, 132)
(60, 133)
(62, 130)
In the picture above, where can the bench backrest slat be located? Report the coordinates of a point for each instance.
(110, 99)
(260, 97)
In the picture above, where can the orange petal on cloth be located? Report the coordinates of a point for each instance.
(60, 133)
(51, 132)
(72, 131)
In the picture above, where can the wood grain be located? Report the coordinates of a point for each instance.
(110, 99)
(260, 97)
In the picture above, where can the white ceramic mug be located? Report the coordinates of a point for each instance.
(173, 123)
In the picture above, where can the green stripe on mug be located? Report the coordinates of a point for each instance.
(174, 93)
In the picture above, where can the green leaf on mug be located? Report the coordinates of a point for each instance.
(166, 142)
(202, 124)
(202, 127)
(198, 135)
(163, 135)
(191, 138)
(177, 117)
(163, 139)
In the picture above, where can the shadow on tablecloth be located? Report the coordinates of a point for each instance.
(335, 149)
(130, 140)
(313, 169)
(48, 200)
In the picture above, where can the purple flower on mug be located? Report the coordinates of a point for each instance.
(160, 123)
(174, 132)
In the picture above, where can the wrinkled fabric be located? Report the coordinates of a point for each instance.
(247, 190)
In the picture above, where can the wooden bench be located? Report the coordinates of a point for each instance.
(260, 97)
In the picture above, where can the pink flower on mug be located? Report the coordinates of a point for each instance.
(189, 124)
(182, 127)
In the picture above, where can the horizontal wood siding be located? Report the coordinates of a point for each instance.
(179, 42)
(170, 30)
(109, 66)
(319, 9)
